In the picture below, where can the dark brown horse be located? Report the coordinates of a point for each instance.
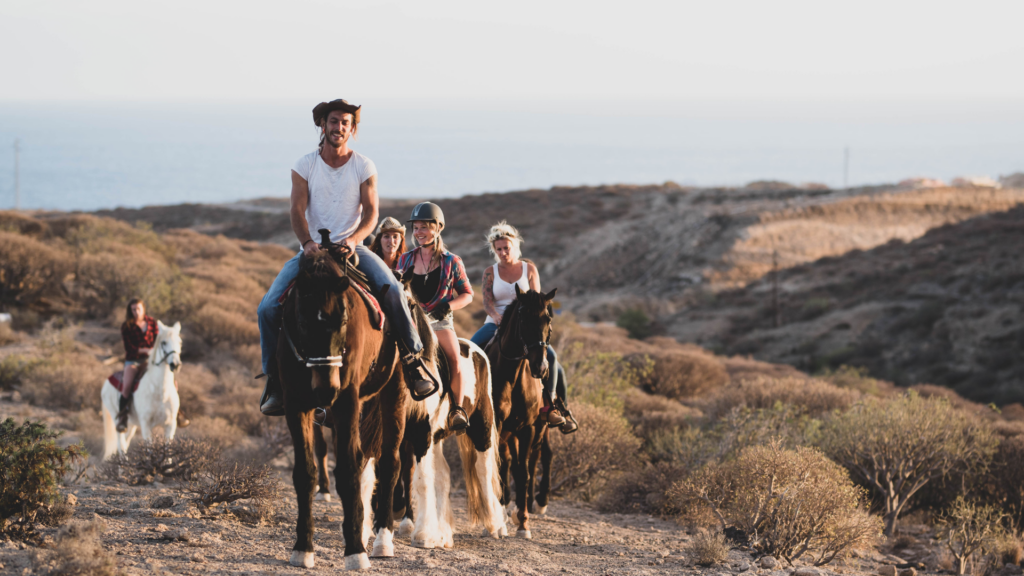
(518, 358)
(331, 355)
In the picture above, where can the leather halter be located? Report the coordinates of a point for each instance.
(312, 362)
(519, 335)
(166, 354)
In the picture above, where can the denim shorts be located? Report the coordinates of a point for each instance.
(132, 362)
(446, 323)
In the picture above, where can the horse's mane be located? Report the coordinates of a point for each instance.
(422, 325)
(320, 265)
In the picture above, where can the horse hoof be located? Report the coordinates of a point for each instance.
(325, 496)
(425, 543)
(383, 551)
(301, 559)
(405, 528)
(524, 534)
(504, 531)
(542, 510)
(357, 562)
(488, 534)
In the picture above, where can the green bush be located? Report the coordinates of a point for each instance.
(636, 322)
(599, 378)
(31, 466)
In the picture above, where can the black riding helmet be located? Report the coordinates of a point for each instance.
(427, 212)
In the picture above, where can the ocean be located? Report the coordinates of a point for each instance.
(88, 156)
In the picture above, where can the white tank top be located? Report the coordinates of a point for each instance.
(505, 292)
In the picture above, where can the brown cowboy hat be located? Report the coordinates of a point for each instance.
(321, 110)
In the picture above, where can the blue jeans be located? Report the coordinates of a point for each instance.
(395, 307)
(556, 375)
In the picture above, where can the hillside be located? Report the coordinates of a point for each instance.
(944, 308)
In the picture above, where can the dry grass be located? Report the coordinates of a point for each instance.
(78, 551)
(812, 395)
(708, 547)
(225, 483)
(160, 460)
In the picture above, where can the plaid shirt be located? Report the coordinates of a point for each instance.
(134, 338)
(453, 277)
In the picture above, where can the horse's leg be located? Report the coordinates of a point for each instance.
(300, 424)
(323, 478)
(408, 465)
(545, 465)
(442, 487)
(531, 473)
(521, 458)
(348, 467)
(508, 450)
(426, 532)
(392, 411)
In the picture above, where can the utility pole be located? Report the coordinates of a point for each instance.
(17, 179)
(846, 167)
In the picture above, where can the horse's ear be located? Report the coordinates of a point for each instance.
(177, 326)
(161, 326)
(519, 291)
(550, 295)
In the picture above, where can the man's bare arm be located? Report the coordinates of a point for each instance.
(300, 199)
(369, 203)
(489, 305)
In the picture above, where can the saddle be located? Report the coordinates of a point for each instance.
(372, 305)
(117, 378)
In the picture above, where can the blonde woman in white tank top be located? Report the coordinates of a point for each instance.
(499, 291)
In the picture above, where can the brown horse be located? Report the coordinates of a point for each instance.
(518, 356)
(331, 355)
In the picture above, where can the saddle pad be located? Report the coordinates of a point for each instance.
(117, 381)
(372, 305)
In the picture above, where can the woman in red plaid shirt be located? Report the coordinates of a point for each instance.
(440, 284)
(138, 333)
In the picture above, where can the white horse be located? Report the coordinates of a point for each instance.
(431, 481)
(155, 402)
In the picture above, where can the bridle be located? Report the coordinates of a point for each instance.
(519, 336)
(316, 361)
(166, 354)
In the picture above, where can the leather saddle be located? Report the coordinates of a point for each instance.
(117, 378)
(372, 304)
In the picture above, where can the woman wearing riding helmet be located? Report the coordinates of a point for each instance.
(389, 243)
(499, 288)
(440, 284)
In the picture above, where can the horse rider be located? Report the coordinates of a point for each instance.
(499, 283)
(335, 187)
(138, 333)
(389, 242)
(440, 284)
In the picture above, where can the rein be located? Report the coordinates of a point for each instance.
(519, 336)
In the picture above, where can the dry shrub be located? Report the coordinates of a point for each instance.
(77, 551)
(216, 326)
(678, 374)
(56, 514)
(708, 547)
(897, 446)
(642, 492)
(649, 412)
(29, 269)
(968, 529)
(11, 221)
(857, 379)
(786, 502)
(599, 378)
(160, 460)
(599, 451)
(7, 334)
(744, 367)
(13, 370)
(813, 396)
(224, 483)
(1004, 483)
(70, 380)
(106, 280)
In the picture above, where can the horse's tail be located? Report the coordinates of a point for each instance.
(480, 469)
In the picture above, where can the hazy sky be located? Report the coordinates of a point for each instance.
(966, 52)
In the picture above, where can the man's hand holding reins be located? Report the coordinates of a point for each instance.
(310, 248)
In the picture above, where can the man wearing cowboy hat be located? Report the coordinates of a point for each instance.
(335, 187)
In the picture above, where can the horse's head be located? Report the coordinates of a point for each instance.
(321, 321)
(167, 347)
(533, 324)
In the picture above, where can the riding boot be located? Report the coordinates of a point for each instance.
(458, 421)
(272, 401)
(571, 425)
(123, 408)
(420, 381)
(182, 420)
(550, 415)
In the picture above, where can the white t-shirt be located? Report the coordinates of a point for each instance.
(334, 193)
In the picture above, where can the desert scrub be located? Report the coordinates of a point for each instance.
(636, 322)
(679, 374)
(898, 446)
(786, 502)
(812, 395)
(159, 460)
(29, 269)
(31, 466)
(77, 552)
(585, 461)
(708, 547)
(223, 483)
(969, 529)
(599, 378)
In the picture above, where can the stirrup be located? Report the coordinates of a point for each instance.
(451, 413)
(415, 363)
